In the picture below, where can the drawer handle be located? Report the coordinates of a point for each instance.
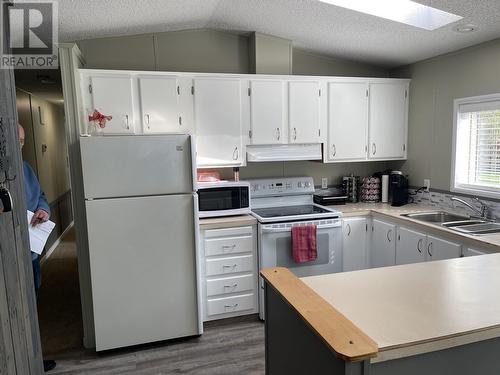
(349, 230)
(230, 286)
(389, 233)
(228, 266)
(374, 147)
(127, 126)
(278, 133)
(429, 247)
(228, 247)
(231, 306)
(294, 134)
(334, 150)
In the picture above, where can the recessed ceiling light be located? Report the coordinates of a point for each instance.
(467, 28)
(404, 11)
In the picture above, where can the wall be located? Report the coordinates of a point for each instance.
(435, 84)
(215, 51)
(181, 51)
(308, 63)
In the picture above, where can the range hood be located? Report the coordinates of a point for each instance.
(293, 152)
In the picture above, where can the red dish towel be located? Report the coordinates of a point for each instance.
(304, 243)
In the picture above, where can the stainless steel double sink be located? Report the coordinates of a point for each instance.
(459, 223)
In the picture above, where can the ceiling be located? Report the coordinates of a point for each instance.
(310, 24)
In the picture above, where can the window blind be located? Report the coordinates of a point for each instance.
(477, 158)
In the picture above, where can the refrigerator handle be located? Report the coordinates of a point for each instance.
(193, 162)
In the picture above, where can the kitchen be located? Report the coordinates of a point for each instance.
(201, 157)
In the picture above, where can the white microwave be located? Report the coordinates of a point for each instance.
(223, 198)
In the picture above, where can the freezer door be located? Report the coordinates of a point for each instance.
(143, 272)
(137, 165)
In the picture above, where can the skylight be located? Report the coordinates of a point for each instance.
(404, 11)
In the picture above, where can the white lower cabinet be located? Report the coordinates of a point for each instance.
(228, 272)
(383, 244)
(438, 249)
(411, 246)
(355, 255)
(470, 252)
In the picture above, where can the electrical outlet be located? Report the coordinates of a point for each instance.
(427, 184)
(324, 182)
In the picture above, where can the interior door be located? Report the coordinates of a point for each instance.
(113, 96)
(303, 111)
(387, 120)
(347, 120)
(410, 246)
(267, 112)
(219, 121)
(159, 97)
(143, 281)
(383, 250)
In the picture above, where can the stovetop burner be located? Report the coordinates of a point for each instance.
(290, 211)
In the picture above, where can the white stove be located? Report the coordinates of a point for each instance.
(281, 203)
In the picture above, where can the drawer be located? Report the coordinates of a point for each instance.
(230, 304)
(228, 245)
(230, 285)
(223, 266)
(228, 232)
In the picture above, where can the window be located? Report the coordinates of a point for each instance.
(476, 152)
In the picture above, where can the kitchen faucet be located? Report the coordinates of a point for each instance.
(483, 211)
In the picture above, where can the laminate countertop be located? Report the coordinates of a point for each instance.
(227, 222)
(384, 211)
(418, 308)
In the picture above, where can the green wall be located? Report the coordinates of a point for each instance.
(435, 84)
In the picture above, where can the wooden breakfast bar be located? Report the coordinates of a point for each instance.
(440, 317)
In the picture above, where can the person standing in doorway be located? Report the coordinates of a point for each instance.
(37, 203)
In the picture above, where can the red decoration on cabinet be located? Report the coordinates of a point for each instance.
(100, 118)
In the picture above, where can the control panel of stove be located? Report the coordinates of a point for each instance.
(281, 186)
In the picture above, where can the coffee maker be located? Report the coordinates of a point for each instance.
(398, 188)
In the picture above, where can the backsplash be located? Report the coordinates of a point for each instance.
(443, 201)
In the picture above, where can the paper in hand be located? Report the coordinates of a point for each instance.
(39, 234)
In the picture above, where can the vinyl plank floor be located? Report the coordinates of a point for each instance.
(228, 347)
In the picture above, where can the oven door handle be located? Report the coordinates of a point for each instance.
(289, 229)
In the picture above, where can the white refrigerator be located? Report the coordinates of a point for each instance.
(142, 222)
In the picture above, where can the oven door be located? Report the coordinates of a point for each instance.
(275, 249)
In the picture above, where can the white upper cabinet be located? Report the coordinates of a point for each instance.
(267, 112)
(112, 95)
(303, 111)
(347, 123)
(388, 118)
(159, 97)
(220, 110)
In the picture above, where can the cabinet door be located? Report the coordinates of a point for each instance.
(470, 252)
(159, 97)
(383, 249)
(438, 249)
(218, 121)
(113, 96)
(347, 120)
(354, 253)
(267, 112)
(410, 246)
(303, 111)
(387, 120)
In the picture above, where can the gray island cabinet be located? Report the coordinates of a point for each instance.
(439, 317)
